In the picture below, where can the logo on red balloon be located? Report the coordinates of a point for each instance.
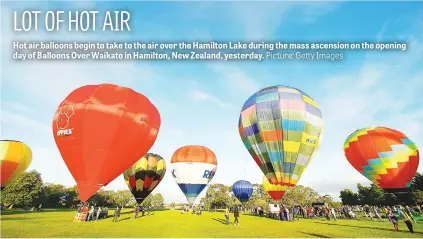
(62, 123)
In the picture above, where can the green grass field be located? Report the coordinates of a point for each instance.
(15, 223)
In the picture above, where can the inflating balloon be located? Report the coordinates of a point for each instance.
(385, 156)
(101, 130)
(281, 127)
(193, 167)
(15, 158)
(276, 192)
(242, 190)
(144, 176)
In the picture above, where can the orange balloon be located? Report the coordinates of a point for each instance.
(102, 130)
(385, 156)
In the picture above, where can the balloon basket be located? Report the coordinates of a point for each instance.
(80, 217)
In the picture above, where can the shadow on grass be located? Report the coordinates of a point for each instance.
(124, 219)
(254, 215)
(314, 234)
(21, 211)
(343, 225)
(219, 220)
(16, 212)
(18, 218)
(374, 228)
(139, 214)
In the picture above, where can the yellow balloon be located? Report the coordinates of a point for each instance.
(15, 158)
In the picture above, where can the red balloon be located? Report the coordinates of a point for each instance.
(102, 130)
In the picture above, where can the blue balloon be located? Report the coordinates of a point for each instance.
(242, 190)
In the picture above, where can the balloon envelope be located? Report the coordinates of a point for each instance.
(385, 156)
(242, 190)
(193, 167)
(276, 192)
(101, 130)
(144, 176)
(280, 127)
(15, 158)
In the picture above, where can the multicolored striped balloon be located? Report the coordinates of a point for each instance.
(242, 190)
(15, 158)
(193, 167)
(276, 192)
(144, 176)
(385, 156)
(281, 127)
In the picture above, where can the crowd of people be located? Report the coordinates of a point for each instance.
(141, 209)
(291, 213)
(194, 210)
(92, 213)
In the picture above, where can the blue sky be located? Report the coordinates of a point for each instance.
(199, 102)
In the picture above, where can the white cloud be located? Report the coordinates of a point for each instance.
(199, 95)
(235, 77)
(16, 106)
(371, 74)
(259, 20)
(21, 122)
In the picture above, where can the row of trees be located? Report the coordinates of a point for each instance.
(219, 196)
(374, 195)
(29, 190)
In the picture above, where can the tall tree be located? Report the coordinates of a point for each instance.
(51, 194)
(73, 198)
(300, 195)
(148, 202)
(417, 182)
(348, 197)
(26, 190)
(370, 195)
(157, 200)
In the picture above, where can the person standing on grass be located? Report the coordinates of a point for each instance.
(116, 215)
(410, 214)
(142, 210)
(236, 215)
(295, 213)
(291, 212)
(227, 215)
(98, 213)
(406, 219)
(376, 211)
(90, 214)
(332, 210)
(287, 216)
(326, 213)
(281, 210)
(385, 209)
(393, 219)
(137, 209)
